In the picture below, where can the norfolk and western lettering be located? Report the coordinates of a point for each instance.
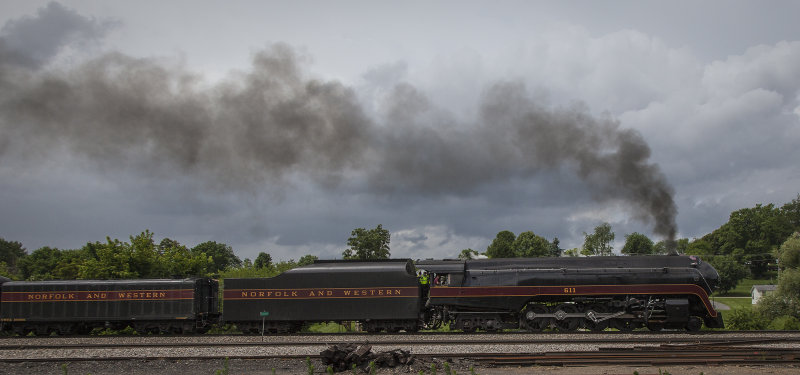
(99, 295)
(243, 294)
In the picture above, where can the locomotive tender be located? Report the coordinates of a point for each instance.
(78, 306)
(383, 295)
(565, 293)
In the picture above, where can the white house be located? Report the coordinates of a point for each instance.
(758, 291)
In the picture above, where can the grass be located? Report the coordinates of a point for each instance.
(743, 288)
(327, 328)
(736, 302)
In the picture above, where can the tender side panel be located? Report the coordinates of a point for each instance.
(327, 292)
(98, 301)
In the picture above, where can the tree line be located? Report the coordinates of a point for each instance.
(140, 257)
(747, 245)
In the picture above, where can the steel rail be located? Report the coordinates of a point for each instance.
(649, 357)
(642, 332)
(677, 342)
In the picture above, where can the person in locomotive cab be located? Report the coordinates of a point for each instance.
(423, 281)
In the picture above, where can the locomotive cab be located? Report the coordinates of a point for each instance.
(444, 272)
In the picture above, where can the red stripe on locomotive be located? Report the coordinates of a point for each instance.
(532, 291)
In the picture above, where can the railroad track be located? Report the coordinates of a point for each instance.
(505, 351)
(678, 341)
(649, 357)
(572, 358)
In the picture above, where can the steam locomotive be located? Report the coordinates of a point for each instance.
(534, 294)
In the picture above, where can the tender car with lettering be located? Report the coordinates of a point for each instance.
(381, 295)
(78, 306)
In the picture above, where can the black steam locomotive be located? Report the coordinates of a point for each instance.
(595, 293)
(569, 293)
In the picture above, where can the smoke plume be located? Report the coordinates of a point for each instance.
(262, 126)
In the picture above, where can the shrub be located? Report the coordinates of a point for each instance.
(772, 306)
(784, 323)
(744, 320)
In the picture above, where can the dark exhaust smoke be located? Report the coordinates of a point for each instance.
(260, 127)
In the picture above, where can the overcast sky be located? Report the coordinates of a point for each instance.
(282, 126)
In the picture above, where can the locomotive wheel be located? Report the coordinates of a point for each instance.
(694, 324)
(530, 321)
(655, 327)
(42, 330)
(140, 328)
(19, 330)
(65, 329)
(566, 324)
(624, 325)
(591, 324)
(83, 329)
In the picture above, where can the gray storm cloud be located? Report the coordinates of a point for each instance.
(273, 122)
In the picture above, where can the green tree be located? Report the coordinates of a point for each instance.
(637, 244)
(467, 254)
(68, 267)
(789, 253)
(572, 252)
(699, 247)
(112, 260)
(682, 245)
(529, 245)
(144, 260)
(772, 306)
(601, 241)
(222, 256)
(309, 259)
(368, 244)
(40, 264)
(10, 253)
(730, 272)
(789, 285)
(168, 243)
(791, 211)
(262, 260)
(502, 246)
(5, 272)
(749, 231)
(178, 261)
(555, 251)
(782, 308)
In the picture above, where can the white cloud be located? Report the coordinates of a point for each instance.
(436, 241)
(769, 67)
